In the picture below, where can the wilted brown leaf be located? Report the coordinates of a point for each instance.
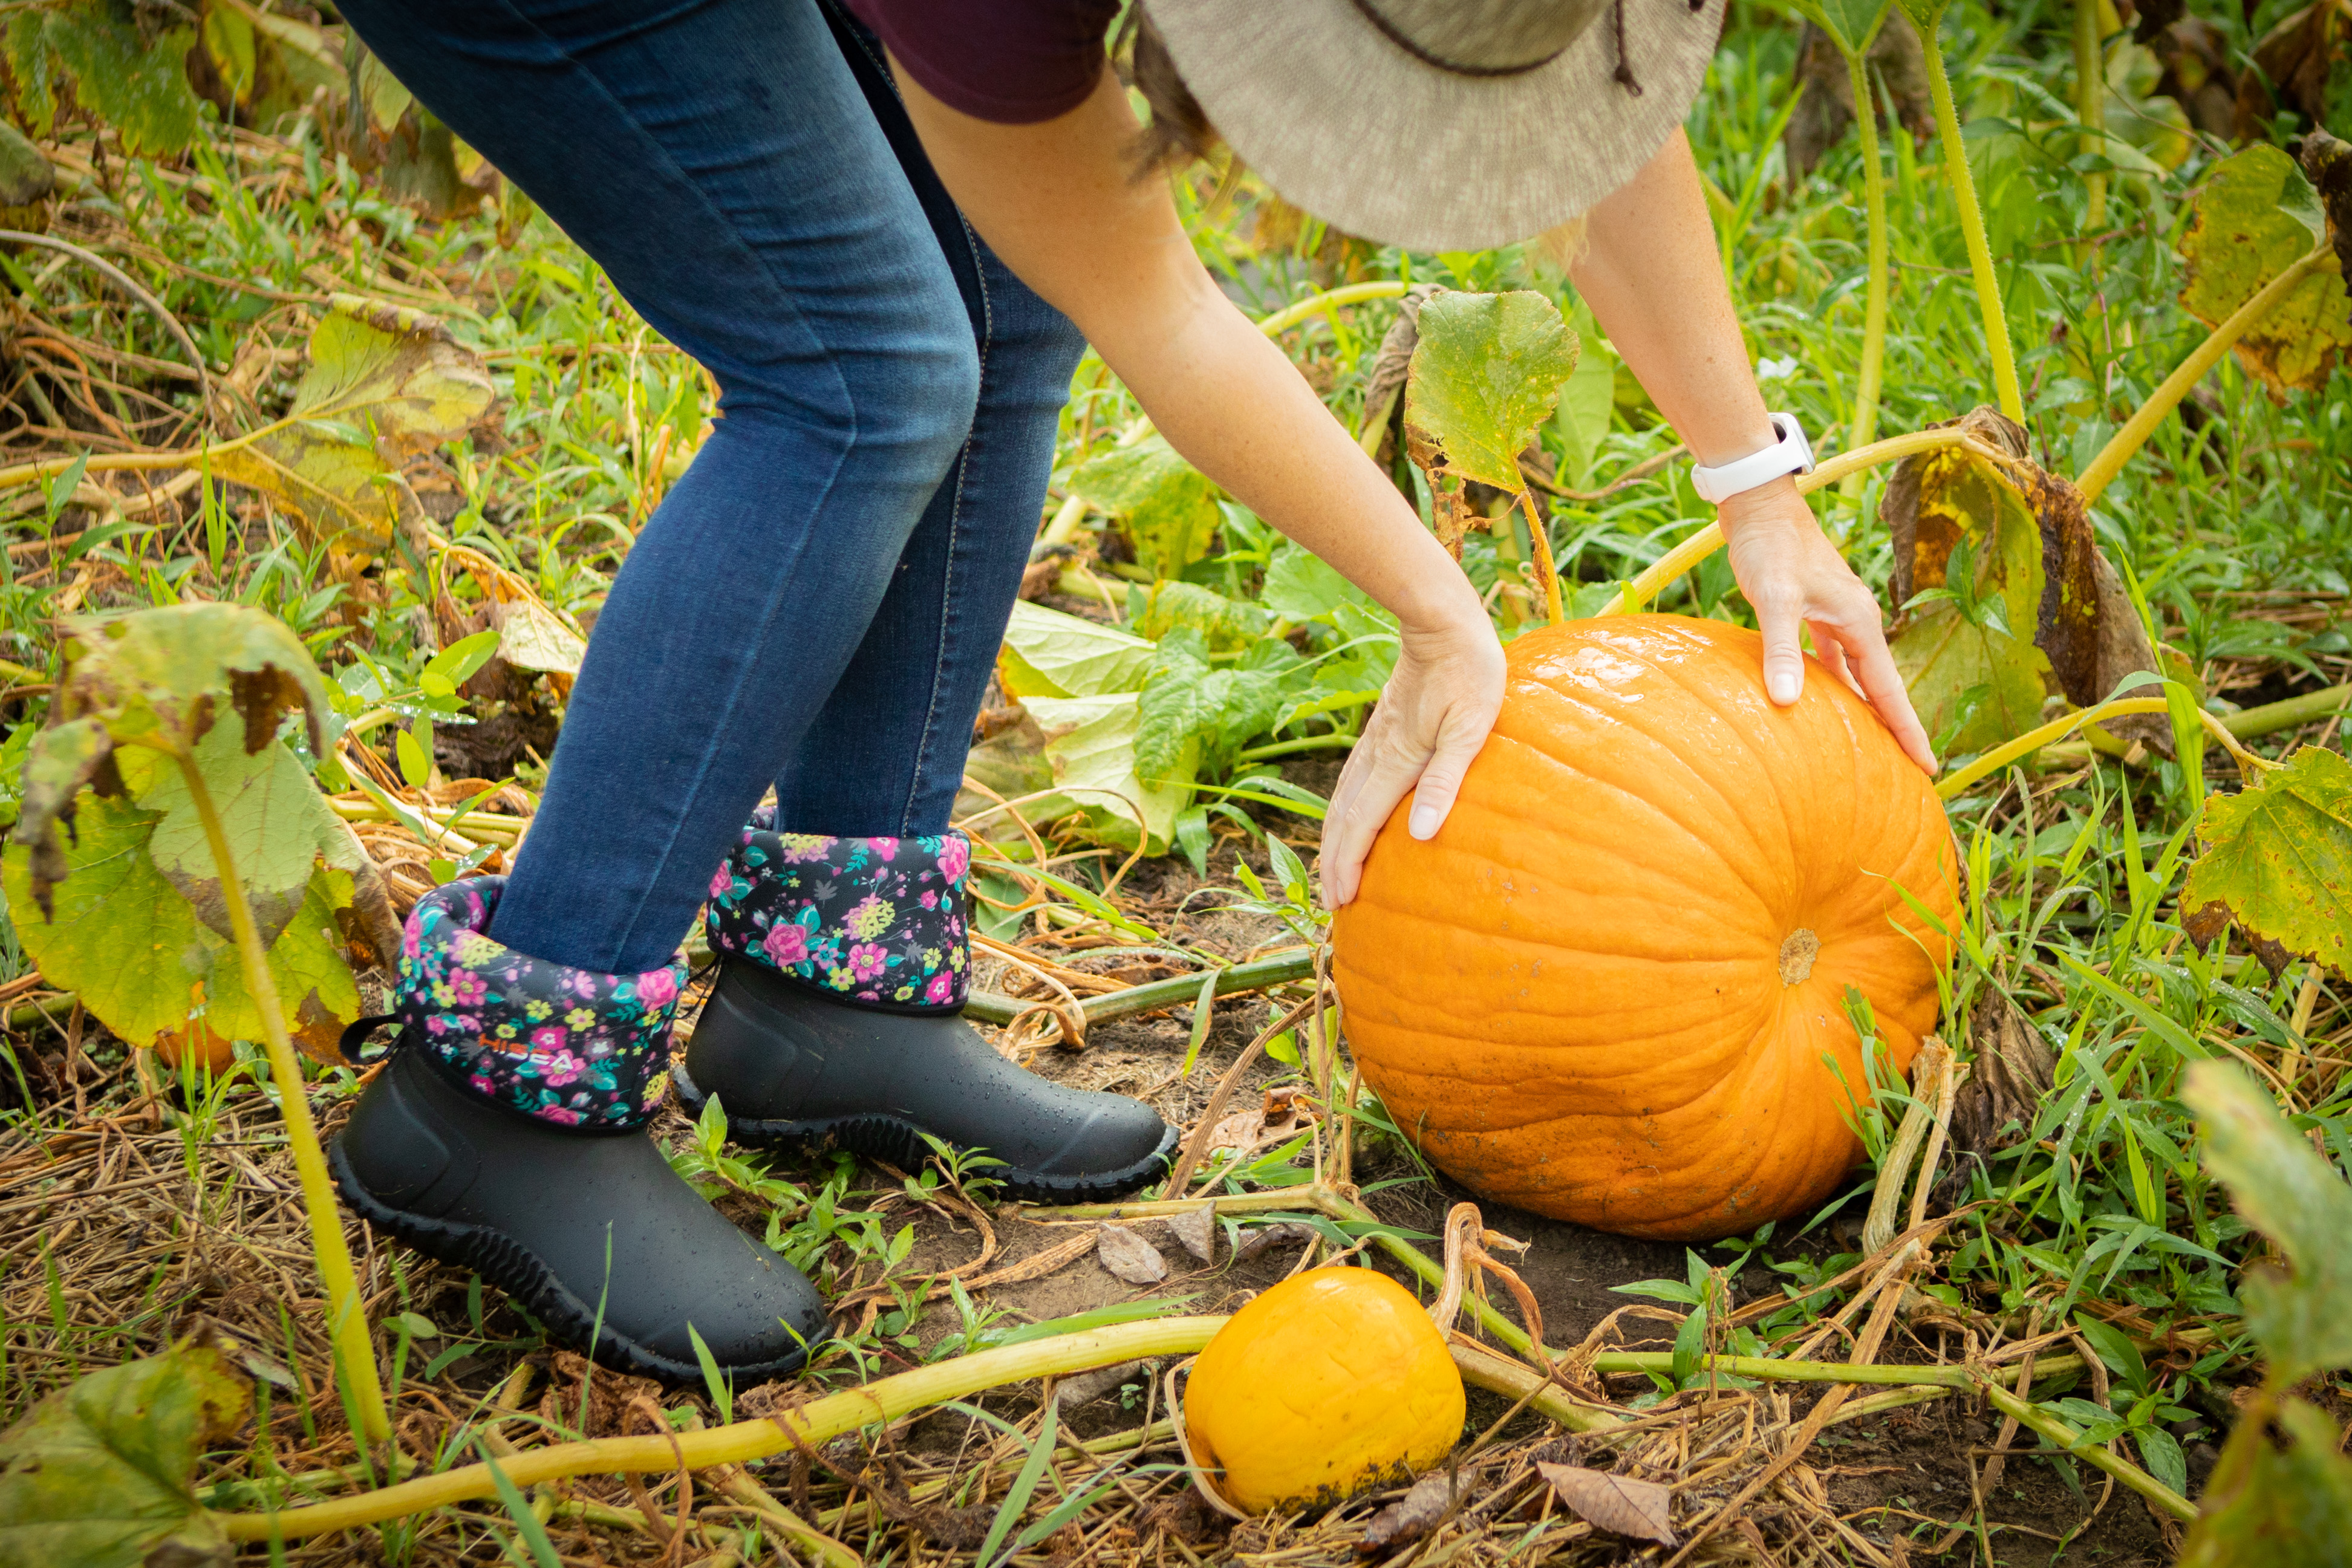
(1826, 109)
(1620, 1503)
(1197, 1229)
(2009, 1074)
(1129, 1255)
(1409, 1517)
(2328, 165)
(2084, 621)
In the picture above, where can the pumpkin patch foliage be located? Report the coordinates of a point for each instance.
(1893, 1169)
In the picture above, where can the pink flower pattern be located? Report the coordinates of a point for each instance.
(501, 1022)
(884, 914)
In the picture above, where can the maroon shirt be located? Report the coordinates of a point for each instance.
(1013, 62)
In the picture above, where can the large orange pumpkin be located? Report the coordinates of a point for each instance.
(1610, 988)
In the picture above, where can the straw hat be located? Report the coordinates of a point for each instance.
(1442, 124)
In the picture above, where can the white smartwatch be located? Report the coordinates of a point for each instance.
(1791, 455)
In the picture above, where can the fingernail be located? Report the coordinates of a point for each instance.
(1783, 686)
(1424, 822)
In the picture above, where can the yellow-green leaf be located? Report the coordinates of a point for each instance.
(385, 382)
(276, 823)
(1090, 744)
(1169, 506)
(168, 673)
(123, 939)
(100, 1473)
(1487, 372)
(2278, 859)
(2256, 216)
(229, 44)
(1048, 653)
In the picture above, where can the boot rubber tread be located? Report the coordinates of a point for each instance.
(517, 1270)
(899, 1141)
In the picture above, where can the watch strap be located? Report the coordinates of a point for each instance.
(1792, 454)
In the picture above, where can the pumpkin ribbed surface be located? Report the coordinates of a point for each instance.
(1606, 990)
(1330, 1382)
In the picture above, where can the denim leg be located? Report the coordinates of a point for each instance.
(719, 161)
(886, 753)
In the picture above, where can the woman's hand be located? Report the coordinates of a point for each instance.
(1794, 577)
(1433, 716)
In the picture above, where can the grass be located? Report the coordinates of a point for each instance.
(160, 1195)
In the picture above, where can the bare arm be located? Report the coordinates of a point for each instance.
(1057, 202)
(1655, 284)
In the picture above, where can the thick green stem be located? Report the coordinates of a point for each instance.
(1273, 749)
(1709, 540)
(1952, 784)
(354, 1352)
(815, 1424)
(2142, 424)
(1873, 307)
(1964, 196)
(2034, 1418)
(1297, 964)
(2091, 110)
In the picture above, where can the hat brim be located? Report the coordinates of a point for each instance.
(1346, 124)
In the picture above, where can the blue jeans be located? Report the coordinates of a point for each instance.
(818, 602)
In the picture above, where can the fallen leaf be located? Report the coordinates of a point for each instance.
(1612, 1502)
(1266, 1238)
(1129, 1255)
(1409, 1517)
(1197, 1229)
(1238, 1131)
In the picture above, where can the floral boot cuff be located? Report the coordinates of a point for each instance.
(878, 920)
(568, 1046)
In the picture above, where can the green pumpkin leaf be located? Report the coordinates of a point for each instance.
(129, 915)
(1091, 745)
(163, 675)
(1301, 586)
(1192, 713)
(2275, 1504)
(99, 1474)
(1586, 403)
(1048, 653)
(386, 383)
(1168, 506)
(124, 940)
(1487, 372)
(135, 82)
(2291, 1194)
(1227, 623)
(276, 823)
(2256, 215)
(2278, 860)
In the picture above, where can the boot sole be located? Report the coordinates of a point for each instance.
(517, 1270)
(899, 1141)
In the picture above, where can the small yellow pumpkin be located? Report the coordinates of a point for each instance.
(1329, 1383)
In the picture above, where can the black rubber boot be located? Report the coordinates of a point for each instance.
(592, 1232)
(790, 1066)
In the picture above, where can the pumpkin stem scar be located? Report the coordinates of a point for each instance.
(1797, 956)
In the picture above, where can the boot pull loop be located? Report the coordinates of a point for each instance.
(353, 1043)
